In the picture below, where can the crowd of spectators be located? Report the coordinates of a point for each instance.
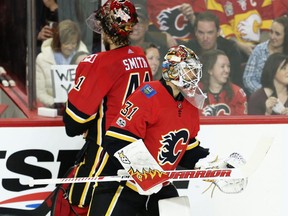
(248, 32)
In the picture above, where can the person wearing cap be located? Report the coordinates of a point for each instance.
(102, 83)
(143, 37)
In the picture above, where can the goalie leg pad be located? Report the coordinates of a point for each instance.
(174, 206)
(142, 167)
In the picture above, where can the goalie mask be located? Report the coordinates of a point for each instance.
(183, 68)
(116, 18)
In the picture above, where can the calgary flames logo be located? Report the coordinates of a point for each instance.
(173, 21)
(171, 146)
(216, 110)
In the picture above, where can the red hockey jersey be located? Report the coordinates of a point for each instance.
(103, 82)
(166, 125)
(243, 19)
(280, 7)
(221, 105)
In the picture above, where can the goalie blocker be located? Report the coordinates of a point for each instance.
(142, 167)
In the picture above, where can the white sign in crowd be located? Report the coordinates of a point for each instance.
(63, 77)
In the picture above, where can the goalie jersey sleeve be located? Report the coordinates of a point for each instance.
(103, 82)
(166, 125)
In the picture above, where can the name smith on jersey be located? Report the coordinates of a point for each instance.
(134, 63)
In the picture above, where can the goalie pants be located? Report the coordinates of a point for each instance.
(114, 199)
(80, 193)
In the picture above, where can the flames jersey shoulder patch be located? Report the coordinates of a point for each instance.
(148, 91)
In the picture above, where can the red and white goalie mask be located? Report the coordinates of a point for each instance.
(115, 17)
(183, 68)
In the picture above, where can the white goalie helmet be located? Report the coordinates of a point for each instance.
(179, 61)
(183, 68)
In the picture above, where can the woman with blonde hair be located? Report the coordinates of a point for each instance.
(58, 50)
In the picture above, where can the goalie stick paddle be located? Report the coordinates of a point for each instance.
(244, 171)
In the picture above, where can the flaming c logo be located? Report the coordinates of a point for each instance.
(168, 152)
(216, 109)
(172, 21)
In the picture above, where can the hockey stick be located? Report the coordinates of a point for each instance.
(244, 171)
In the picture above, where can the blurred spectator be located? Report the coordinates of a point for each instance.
(207, 37)
(13, 38)
(246, 22)
(78, 57)
(280, 8)
(223, 97)
(278, 42)
(272, 98)
(153, 57)
(175, 17)
(46, 20)
(141, 36)
(57, 50)
(78, 11)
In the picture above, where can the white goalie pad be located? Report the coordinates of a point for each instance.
(174, 206)
(142, 167)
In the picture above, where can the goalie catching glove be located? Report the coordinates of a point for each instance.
(230, 186)
(142, 167)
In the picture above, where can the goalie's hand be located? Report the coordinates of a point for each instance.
(229, 186)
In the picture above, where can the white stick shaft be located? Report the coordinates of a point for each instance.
(244, 171)
(174, 175)
(78, 180)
